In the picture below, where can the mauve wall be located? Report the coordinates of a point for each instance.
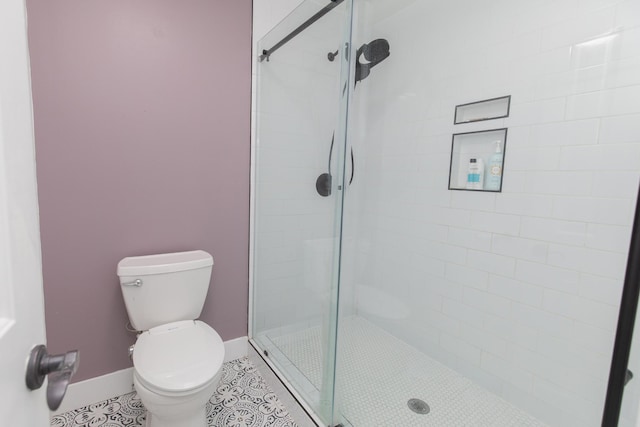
(142, 136)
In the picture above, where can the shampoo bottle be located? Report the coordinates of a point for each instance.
(475, 174)
(494, 172)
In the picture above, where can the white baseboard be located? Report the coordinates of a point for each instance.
(100, 388)
(235, 348)
(97, 389)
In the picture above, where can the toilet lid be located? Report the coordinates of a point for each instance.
(178, 356)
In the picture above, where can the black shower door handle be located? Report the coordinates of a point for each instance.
(353, 167)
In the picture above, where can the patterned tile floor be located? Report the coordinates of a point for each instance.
(378, 374)
(242, 399)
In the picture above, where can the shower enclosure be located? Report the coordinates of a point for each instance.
(389, 287)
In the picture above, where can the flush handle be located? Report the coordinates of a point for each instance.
(60, 368)
(137, 283)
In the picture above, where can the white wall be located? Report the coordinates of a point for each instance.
(517, 290)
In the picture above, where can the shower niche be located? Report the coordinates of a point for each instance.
(488, 109)
(477, 160)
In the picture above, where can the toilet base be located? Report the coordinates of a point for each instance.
(176, 411)
(195, 419)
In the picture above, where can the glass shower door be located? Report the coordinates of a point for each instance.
(461, 306)
(300, 134)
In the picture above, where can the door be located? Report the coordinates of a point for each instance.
(488, 307)
(301, 102)
(21, 296)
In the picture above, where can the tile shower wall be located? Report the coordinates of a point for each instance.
(298, 105)
(518, 290)
(266, 14)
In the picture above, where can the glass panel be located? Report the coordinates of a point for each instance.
(301, 105)
(493, 308)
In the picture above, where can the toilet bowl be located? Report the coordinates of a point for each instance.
(174, 411)
(177, 360)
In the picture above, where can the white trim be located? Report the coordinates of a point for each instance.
(252, 163)
(117, 383)
(97, 389)
(252, 207)
(235, 349)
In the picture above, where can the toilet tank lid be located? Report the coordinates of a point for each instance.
(163, 263)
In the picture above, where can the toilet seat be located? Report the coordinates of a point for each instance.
(178, 357)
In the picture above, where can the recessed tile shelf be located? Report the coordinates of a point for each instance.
(489, 109)
(481, 147)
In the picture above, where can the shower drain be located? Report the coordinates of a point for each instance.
(418, 406)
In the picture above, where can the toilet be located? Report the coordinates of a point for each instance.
(177, 360)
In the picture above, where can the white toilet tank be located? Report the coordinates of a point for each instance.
(164, 288)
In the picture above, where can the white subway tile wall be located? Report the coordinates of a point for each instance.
(296, 111)
(527, 281)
